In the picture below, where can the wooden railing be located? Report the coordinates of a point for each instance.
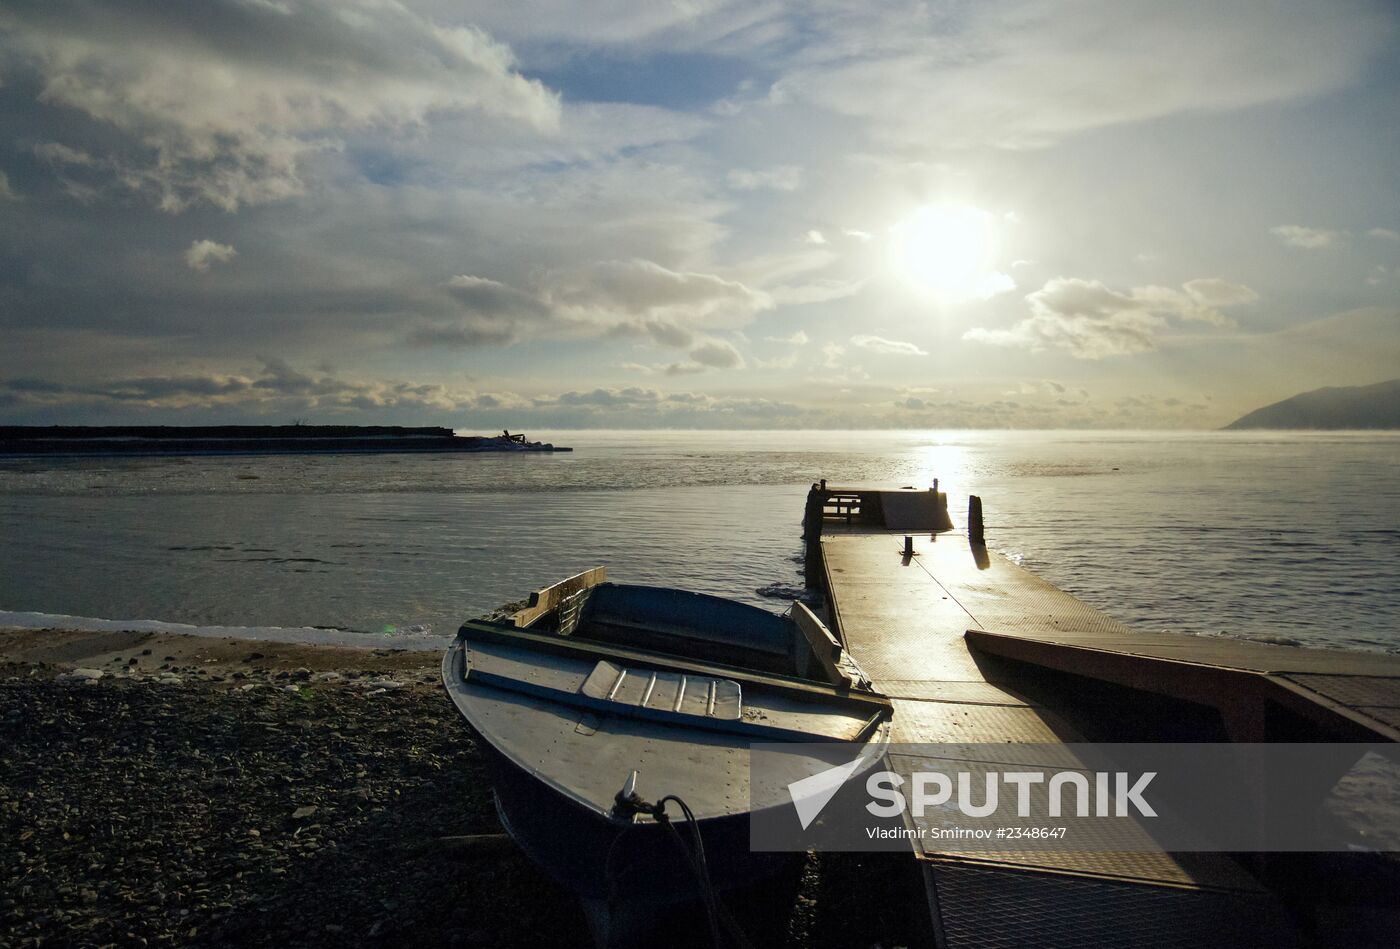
(543, 601)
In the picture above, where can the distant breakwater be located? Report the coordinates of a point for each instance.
(246, 439)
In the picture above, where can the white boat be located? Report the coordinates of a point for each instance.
(611, 711)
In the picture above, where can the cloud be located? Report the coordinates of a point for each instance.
(644, 26)
(667, 333)
(367, 268)
(464, 335)
(1308, 238)
(988, 285)
(1091, 321)
(789, 278)
(1026, 74)
(648, 296)
(610, 406)
(226, 112)
(1208, 294)
(717, 354)
(277, 388)
(604, 403)
(279, 391)
(633, 297)
(777, 362)
(795, 338)
(202, 253)
(815, 291)
(814, 237)
(778, 178)
(599, 232)
(1043, 387)
(682, 369)
(6, 192)
(632, 395)
(1383, 234)
(481, 312)
(56, 153)
(493, 298)
(831, 355)
(891, 347)
(709, 354)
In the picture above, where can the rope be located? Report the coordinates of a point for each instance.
(716, 913)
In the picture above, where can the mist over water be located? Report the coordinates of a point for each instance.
(1282, 537)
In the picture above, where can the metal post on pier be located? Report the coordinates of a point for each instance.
(975, 532)
(812, 534)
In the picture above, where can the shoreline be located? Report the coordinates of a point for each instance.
(412, 639)
(212, 660)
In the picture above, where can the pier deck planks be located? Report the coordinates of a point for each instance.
(906, 621)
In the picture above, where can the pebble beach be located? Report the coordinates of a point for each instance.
(167, 789)
(164, 789)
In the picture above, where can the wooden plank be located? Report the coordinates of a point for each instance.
(824, 645)
(1001, 595)
(894, 619)
(945, 723)
(543, 601)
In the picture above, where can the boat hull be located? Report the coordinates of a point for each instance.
(564, 720)
(633, 880)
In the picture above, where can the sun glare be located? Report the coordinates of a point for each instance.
(948, 251)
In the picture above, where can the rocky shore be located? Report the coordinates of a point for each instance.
(160, 789)
(217, 791)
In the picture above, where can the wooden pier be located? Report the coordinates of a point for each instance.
(973, 649)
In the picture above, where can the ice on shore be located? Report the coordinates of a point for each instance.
(408, 637)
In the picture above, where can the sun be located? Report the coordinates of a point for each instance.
(948, 251)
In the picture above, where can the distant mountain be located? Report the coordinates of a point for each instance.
(1376, 406)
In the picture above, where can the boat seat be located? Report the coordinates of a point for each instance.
(667, 692)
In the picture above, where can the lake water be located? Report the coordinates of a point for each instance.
(1280, 537)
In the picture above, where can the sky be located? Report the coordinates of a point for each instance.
(698, 213)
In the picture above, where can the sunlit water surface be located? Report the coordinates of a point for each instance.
(1272, 536)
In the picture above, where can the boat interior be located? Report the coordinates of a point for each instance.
(706, 628)
(679, 658)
